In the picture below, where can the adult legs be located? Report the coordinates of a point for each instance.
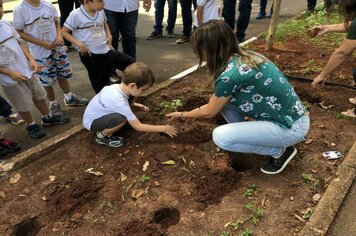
(244, 19)
(159, 13)
(172, 15)
(311, 4)
(119, 60)
(187, 16)
(127, 26)
(113, 23)
(229, 12)
(263, 4)
(65, 7)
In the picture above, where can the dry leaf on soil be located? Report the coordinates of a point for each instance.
(145, 166)
(169, 162)
(136, 193)
(2, 194)
(96, 173)
(52, 178)
(15, 178)
(123, 177)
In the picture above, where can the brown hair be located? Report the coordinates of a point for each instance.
(83, 1)
(215, 42)
(138, 73)
(348, 9)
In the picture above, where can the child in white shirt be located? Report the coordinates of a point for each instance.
(206, 10)
(37, 23)
(17, 78)
(110, 109)
(92, 37)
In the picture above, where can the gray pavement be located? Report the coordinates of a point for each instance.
(166, 59)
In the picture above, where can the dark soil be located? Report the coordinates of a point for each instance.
(204, 190)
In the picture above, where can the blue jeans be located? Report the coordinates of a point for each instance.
(260, 137)
(187, 15)
(159, 13)
(123, 23)
(244, 16)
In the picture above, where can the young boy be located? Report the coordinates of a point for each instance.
(110, 109)
(206, 10)
(19, 83)
(37, 23)
(92, 38)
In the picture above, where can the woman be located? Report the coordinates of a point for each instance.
(248, 84)
(346, 49)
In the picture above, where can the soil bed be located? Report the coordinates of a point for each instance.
(201, 192)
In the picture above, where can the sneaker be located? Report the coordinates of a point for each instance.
(54, 120)
(3, 152)
(55, 109)
(154, 35)
(35, 131)
(170, 34)
(8, 144)
(277, 165)
(349, 113)
(183, 39)
(76, 101)
(261, 15)
(15, 119)
(110, 141)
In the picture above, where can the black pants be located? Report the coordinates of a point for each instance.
(5, 108)
(65, 7)
(98, 66)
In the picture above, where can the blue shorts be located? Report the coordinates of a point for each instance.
(54, 66)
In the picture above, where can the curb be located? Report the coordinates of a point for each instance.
(333, 197)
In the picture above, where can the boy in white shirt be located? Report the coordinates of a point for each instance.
(22, 88)
(110, 109)
(92, 37)
(37, 23)
(206, 10)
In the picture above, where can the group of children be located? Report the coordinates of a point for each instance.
(28, 77)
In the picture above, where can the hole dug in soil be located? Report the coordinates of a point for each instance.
(29, 227)
(166, 217)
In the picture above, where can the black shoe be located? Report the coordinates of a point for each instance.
(261, 15)
(277, 165)
(183, 39)
(35, 131)
(110, 141)
(3, 152)
(54, 120)
(9, 145)
(154, 35)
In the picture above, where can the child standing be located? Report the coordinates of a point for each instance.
(110, 109)
(19, 83)
(206, 10)
(92, 38)
(37, 23)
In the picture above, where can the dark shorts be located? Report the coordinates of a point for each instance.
(107, 122)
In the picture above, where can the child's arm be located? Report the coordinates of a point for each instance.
(17, 76)
(29, 38)
(34, 66)
(200, 15)
(59, 39)
(108, 35)
(83, 50)
(143, 107)
(168, 129)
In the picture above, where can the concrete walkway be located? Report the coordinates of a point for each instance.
(166, 59)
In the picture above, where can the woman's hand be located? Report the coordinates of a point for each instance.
(319, 79)
(174, 115)
(141, 106)
(170, 130)
(320, 30)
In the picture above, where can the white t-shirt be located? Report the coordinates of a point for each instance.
(121, 5)
(210, 11)
(110, 100)
(11, 55)
(89, 30)
(39, 22)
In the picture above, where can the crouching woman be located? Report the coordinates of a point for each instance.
(248, 84)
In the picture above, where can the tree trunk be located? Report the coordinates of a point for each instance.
(273, 24)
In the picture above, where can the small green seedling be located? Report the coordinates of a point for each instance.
(306, 214)
(144, 178)
(246, 232)
(236, 224)
(249, 206)
(251, 189)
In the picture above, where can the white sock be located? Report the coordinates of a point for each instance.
(52, 102)
(68, 96)
(100, 135)
(49, 115)
(32, 123)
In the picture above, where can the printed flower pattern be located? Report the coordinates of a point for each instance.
(244, 69)
(258, 75)
(257, 98)
(228, 67)
(299, 108)
(268, 81)
(246, 107)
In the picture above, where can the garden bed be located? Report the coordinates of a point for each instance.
(155, 185)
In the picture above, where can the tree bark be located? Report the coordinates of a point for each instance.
(273, 24)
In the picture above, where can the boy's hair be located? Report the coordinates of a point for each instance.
(138, 73)
(215, 42)
(83, 1)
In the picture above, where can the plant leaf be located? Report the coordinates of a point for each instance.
(169, 162)
(15, 178)
(123, 177)
(145, 166)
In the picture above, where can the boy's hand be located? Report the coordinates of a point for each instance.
(171, 131)
(318, 79)
(109, 42)
(34, 66)
(83, 50)
(17, 76)
(59, 40)
(48, 45)
(141, 106)
(147, 5)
